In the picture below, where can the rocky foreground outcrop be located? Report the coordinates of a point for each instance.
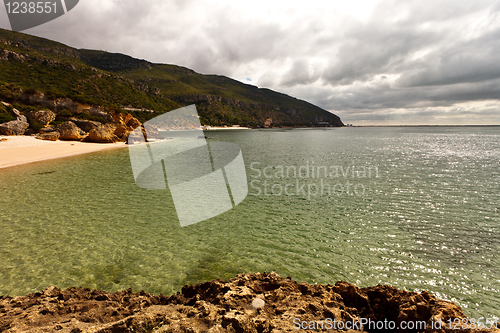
(259, 302)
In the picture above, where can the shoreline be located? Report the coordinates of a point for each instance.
(216, 128)
(19, 150)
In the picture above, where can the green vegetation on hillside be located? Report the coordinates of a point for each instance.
(29, 64)
(5, 114)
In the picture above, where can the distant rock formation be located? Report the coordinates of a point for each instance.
(254, 303)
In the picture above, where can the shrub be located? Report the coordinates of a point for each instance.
(5, 118)
(85, 115)
(35, 125)
(28, 108)
(99, 119)
(57, 122)
(30, 91)
(65, 113)
(13, 86)
(6, 93)
(80, 98)
(54, 94)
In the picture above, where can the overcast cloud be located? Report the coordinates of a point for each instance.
(370, 62)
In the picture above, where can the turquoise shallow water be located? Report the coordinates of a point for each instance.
(425, 218)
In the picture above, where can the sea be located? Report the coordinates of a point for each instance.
(417, 208)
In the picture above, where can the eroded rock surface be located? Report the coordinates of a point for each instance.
(131, 122)
(69, 131)
(116, 131)
(86, 125)
(49, 136)
(14, 127)
(219, 306)
(44, 117)
(117, 127)
(103, 134)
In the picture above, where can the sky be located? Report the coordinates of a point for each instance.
(370, 62)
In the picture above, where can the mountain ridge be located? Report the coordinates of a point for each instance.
(119, 81)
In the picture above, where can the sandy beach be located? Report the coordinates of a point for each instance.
(16, 150)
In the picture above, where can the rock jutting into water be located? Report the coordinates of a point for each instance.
(218, 306)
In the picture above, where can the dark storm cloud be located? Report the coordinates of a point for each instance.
(383, 97)
(440, 58)
(395, 31)
(472, 61)
(374, 49)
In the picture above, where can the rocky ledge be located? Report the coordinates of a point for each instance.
(262, 302)
(68, 124)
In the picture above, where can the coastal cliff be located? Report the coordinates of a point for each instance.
(31, 67)
(261, 302)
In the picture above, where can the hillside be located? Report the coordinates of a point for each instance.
(30, 65)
